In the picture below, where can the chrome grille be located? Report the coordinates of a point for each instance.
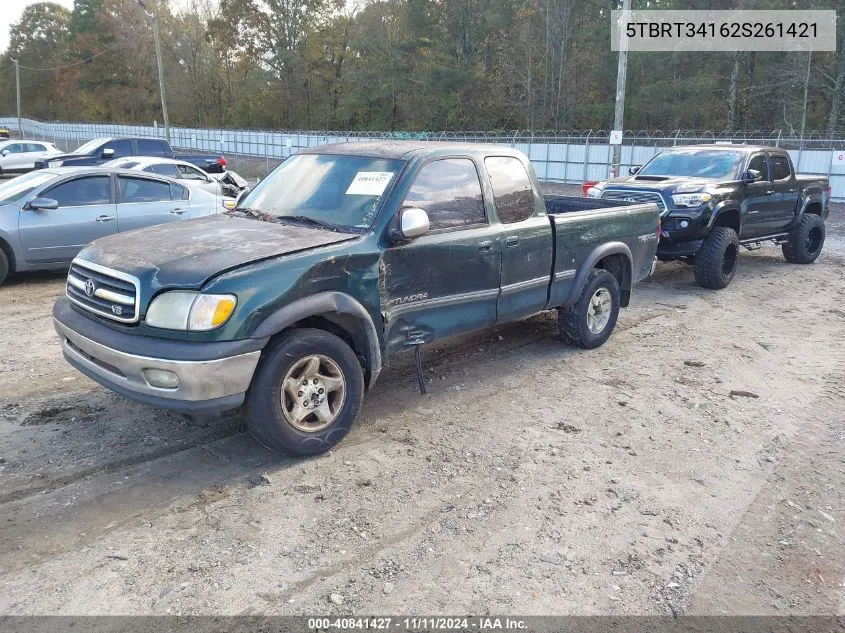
(636, 196)
(103, 291)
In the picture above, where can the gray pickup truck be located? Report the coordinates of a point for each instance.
(342, 256)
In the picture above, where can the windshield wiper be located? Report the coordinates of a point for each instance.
(304, 219)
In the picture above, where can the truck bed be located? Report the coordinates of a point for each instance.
(583, 226)
(568, 204)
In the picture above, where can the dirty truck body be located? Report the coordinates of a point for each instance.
(343, 256)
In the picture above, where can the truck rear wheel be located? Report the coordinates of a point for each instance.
(590, 322)
(805, 241)
(716, 260)
(306, 393)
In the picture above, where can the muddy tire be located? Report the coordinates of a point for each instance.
(306, 393)
(716, 260)
(805, 241)
(4, 266)
(590, 322)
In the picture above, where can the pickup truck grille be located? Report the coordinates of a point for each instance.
(109, 293)
(636, 196)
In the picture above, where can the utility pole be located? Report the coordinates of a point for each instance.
(154, 19)
(18, 87)
(621, 77)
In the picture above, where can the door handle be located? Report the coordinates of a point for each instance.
(512, 240)
(178, 211)
(770, 192)
(485, 245)
(106, 218)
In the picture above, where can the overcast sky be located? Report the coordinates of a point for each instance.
(11, 12)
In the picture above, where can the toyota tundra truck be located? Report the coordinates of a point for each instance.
(715, 198)
(346, 254)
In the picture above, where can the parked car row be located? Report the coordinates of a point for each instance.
(48, 216)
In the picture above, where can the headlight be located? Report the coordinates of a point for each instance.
(596, 190)
(690, 199)
(55, 163)
(194, 311)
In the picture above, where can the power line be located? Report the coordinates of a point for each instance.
(80, 62)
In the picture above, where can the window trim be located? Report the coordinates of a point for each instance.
(530, 188)
(768, 174)
(450, 229)
(772, 169)
(119, 199)
(43, 193)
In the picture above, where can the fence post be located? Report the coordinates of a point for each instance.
(587, 157)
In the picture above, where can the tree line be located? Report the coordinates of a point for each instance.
(404, 65)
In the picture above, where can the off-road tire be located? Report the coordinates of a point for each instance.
(265, 418)
(805, 241)
(573, 321)
(4, 266)
(716, 261)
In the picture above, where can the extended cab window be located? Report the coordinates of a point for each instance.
(759, 163)
(81, 192)
(148, 147)
(780, 167)
(511, 188)
(143, 190)
(450, 192)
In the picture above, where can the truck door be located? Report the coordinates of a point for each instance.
(786, 192)
(446, 281)
(85, 213)
(526, 240)
(760, 203)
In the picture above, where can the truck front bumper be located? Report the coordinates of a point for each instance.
(209, 377)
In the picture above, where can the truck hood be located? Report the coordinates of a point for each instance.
(187, 254)
(664, 184)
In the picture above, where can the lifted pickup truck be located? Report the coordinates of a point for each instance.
(714, 198)
(102, 150)
(342, 256)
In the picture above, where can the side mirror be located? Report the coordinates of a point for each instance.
(752, 175)
(6, 152)
(633, 170)
(108, 152)
(413, 222)
(43, 204)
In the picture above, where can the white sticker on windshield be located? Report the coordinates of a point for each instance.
(369, 183)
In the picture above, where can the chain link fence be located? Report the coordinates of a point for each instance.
(558, 156)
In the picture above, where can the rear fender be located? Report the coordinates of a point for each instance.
(599, 253)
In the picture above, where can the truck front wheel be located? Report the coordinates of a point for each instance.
(716, 260)
(590, 322)
(805, 241)
(305, 394)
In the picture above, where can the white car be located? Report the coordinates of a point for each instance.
(18, 157)
(176, 169)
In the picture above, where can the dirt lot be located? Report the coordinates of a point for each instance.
(533, 479)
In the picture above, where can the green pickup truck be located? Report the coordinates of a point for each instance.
(292, 303)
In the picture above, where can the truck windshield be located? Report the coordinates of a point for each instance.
(18, 188)
(330, 189)
(90, 146)
(717, 163)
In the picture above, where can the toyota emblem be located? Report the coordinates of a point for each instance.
(90, 288)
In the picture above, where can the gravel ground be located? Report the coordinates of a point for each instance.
(695, 464)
